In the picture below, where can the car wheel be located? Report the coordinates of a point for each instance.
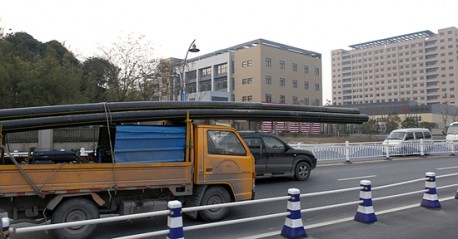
(214, 195)
(302, 171)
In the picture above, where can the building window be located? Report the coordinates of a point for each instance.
(268, 62)
(317, 86)
(247, 81)
(306, 101)
(317, 71)
(306, 69)
(306, 85)
(282, 82)
(205, 71)
(247, 63)
(282, 99)
(268, 98)
(294, 66)
(220, 69)
(205, 86)
(220, 84)
(268, 80)
(282, 64)
(294, 83)
(247, 98)
(295, 101)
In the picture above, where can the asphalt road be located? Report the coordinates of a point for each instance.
(415, 222)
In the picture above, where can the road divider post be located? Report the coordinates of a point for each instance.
(430, 199)
(175, 220)
(294, 228)
(5, 227)
(365, 212)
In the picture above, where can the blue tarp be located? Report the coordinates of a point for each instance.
(144, 144)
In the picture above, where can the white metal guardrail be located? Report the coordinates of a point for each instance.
(293, 223)
(349, 151)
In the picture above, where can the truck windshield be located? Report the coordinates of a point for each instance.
(223, 142)
(396, 135)
(452, 129)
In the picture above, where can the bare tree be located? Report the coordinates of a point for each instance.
(167, 81)
(454, 115)
(135, 76)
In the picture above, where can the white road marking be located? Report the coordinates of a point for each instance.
(447, 168)
(362, 177)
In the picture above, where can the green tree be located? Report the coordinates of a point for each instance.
(13, 72)
(427, 125)
(370, 127)
(392, 122)
(97, 72)
(34, 74)
(409, 123)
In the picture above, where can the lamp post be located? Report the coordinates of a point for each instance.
(192, 48)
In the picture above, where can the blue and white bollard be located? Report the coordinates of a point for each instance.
(175, 220)
(430, 199)
(293, 227)
(365, 212)
(5, 227)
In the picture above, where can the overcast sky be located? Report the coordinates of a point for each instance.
(171, 25)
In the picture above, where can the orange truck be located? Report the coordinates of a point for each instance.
(134, 169)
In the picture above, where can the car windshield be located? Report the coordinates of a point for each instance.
(396, 135)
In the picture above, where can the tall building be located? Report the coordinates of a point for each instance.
(256, 71)
(420, 67)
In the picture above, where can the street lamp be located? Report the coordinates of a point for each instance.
(192, 48)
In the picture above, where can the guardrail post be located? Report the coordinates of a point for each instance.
(347, 152)
(293, 227)
(452, 147)
(175, 220)
(387, 151)
(422, 147)
(5, 227)
(430, 199)
(365, 212)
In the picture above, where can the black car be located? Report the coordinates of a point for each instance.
(275, 157)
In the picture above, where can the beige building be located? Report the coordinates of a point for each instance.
(256, 71)
(420, 67)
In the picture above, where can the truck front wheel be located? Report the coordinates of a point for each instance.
(215, 195)
(75, 209)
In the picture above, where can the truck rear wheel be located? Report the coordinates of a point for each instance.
(75, 209)
(215, 195)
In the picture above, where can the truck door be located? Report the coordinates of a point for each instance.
(228, 161)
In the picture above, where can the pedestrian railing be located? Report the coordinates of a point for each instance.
(348, 151)
(293, 227)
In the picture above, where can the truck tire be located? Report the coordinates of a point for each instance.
(75, 209)
(302, 171)
(214, 195)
